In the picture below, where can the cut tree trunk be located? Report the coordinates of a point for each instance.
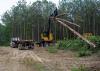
(75, 32)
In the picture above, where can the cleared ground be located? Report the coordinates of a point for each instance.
(39, 59)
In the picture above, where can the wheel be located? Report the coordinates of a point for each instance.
(31, 47)
(26, 47)
(14, 45)
(20, 47)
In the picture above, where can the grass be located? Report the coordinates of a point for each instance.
(39, 67)
(84, 68)
(52, 49)
(77, 69)
(83, 51)
(5, 44)
(81, 68)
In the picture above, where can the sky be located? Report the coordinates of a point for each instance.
(7, 4)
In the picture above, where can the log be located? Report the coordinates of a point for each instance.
(65, 21)
(76, 33)
(68, 22)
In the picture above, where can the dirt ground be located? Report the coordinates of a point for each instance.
(11, 59)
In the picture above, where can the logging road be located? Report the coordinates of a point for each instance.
(12, 59)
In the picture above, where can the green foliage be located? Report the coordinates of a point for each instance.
(64, 44)
(70, 44)
(81, 68)
(52, 49)
(95, 39)
(79, 46)
(83, 51)
(3, 35)
(76, 45)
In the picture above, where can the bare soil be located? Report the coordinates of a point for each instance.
(11, 59)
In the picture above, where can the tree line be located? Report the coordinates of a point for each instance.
(30, 20)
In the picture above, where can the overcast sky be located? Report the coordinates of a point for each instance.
(7, 4)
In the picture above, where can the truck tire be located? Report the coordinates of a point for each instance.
(20, 47)
(13, 45)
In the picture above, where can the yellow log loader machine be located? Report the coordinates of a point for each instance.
(47, 36)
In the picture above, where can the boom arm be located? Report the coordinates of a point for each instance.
(61, 21)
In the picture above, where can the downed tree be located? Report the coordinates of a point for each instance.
(75, 32)
(68, 22)
(65, 21)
